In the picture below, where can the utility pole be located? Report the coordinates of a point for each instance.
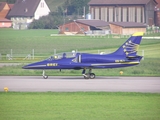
(84, 12)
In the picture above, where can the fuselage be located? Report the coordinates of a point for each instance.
(83, 60)
(124, 56)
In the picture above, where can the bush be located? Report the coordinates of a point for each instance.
(50, 21)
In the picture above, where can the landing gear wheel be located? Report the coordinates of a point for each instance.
(45, 77)
(86, 76)
(92, 76)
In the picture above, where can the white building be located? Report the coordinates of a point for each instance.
(25, 11)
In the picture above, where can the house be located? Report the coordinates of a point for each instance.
(126, 28)
(4, 10)
(5, 23)
(83, 26)
(157, 13)
(141, 11)
(25, 11)
(158, 4)
(11, 6)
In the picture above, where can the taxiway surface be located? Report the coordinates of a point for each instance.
(77, 83)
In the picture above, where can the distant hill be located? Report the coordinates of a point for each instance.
(53, 4)
(74, 7)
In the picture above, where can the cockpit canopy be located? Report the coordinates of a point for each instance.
(63, 55)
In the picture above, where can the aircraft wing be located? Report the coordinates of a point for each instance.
(89, 65)
(77, 65)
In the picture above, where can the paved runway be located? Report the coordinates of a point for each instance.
(74, 84)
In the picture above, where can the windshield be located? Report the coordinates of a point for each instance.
(63, 55)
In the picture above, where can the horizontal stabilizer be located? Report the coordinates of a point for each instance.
(134, 57)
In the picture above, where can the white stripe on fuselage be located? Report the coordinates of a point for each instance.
(103, 64)
(36, 66)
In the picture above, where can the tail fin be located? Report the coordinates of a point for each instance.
(130, 47)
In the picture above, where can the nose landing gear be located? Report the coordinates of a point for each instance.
(44, 76)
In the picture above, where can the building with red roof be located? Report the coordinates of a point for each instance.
(4, 10)
(25, 11)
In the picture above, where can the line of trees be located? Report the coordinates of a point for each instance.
(68, 11)
(11, 1)
(76, 6)
(50, 21)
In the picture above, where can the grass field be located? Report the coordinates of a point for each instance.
(22, 43)
(79, 106)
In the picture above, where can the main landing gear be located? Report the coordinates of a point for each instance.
(88, 75)
(44, 76)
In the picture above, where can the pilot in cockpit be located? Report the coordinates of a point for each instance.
(64, 55)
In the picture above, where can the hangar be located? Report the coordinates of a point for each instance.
(83, 26)
(141, 11)
(126, 28)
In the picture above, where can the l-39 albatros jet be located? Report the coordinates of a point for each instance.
(125, 56)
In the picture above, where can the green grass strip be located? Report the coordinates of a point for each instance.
(79, 106)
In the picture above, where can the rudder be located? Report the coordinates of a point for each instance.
(130, 47)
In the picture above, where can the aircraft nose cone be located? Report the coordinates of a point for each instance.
(24, 67)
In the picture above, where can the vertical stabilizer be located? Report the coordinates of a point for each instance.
(130, 47)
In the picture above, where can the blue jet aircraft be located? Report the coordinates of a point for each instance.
(125, 56)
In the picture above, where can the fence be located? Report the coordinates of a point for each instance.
(19, 54)
(107, 34)
(32, 55)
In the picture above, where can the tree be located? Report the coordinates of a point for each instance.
(11, 1)
(52, 21)
(77, 6)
